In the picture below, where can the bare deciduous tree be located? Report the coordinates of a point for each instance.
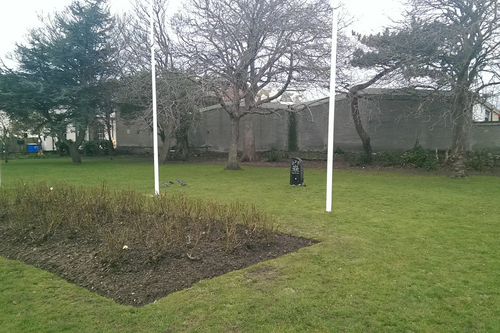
(178, 94)
(239, 47)
(135, 30)
(177, 100)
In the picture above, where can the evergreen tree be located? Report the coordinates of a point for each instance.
(62, 71)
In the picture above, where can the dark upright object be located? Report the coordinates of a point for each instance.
(297, 172)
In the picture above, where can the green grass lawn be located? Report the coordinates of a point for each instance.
(398, 253)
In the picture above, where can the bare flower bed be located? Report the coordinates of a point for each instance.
(130, 247)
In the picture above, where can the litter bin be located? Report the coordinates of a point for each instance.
(32, 147)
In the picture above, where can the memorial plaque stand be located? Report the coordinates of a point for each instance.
(297, 172)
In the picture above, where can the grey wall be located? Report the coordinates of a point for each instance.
(129, 135)
(485, 135)
(393, 124)
(390, 122)
(131, 139)
(214, 130)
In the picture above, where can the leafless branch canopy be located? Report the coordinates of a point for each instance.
(239, 47)
(463, 39)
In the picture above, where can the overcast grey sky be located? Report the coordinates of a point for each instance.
(17, 16)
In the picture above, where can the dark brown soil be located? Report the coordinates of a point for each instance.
(135, 279)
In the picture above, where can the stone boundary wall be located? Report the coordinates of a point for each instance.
(391, 123)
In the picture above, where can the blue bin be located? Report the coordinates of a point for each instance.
(32, 148)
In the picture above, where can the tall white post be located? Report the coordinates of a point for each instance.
(155, 117)
(331, 113)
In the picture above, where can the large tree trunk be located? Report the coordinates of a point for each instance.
(73, 146)
(164, 150)
(461, 127)
(166, 138)
(358, 124)
(232, 161)
(75, 155)
(182, 141)
(356, 116)
(248, 140)
(111, 147)
(39, 144)
(462, 118)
